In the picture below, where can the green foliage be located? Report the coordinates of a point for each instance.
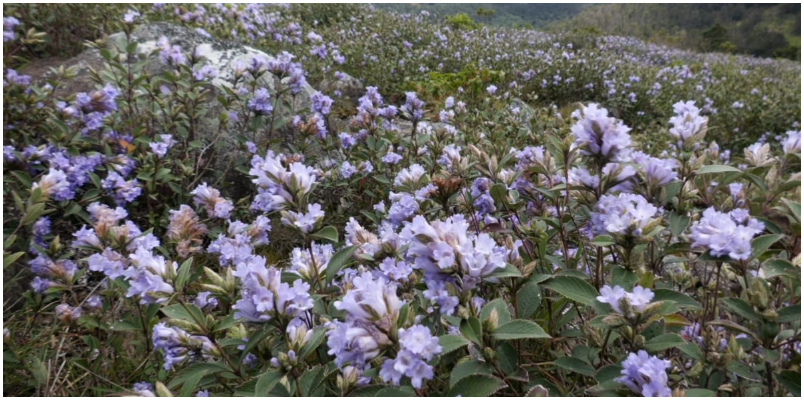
(461, 21)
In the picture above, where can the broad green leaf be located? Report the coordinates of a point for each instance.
(795, 209)
(743, 371)
(467, 368)
(391, 391)
(575, 289)
(699, 393)
(762, 243)
(478, 385)
(9, 259)
(339, 260)
(509, 271)
(183, 274)
(691, 350)
(678, 223)
(742, 308)
(503, 315)
(574, 365)
(528, 299)
(327, 233)
(663, 342)
(681, 299)
(602, 241)
(791, 381)
(450, 343)
(608, 373)
(472, 330)
(778, 267)
(789, 314)
(519, 329)
(716, 169)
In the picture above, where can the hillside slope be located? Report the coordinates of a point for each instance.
(764, 30)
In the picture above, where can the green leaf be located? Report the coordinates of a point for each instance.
(608, 373)
(391, 391)
(678, 223)
(499, 193)
(472, 330)
(691, 350)
(312, 344)
(762, 243)
(311, 380)
(467, 368)
(121, 326)
(699, 393)
(327, 233)
(183, 274)
(778, 267)
(450, 343)
(576, 365)
(339, 260)
(795, 209)
(519, 329)
(503, 315)
(602, 241)
(9, 259)
(716, 169)
(663, 342)
(575, 289)
(189, 377)
(789, 314)
(478, 385)
(528, 299)
(735, 327)
(791, 381)
(266, 382)
(742, 308)
(509, 271)
(681, 299)
(34, 212)
(743, 371)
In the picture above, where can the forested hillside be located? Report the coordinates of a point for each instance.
(763, 30)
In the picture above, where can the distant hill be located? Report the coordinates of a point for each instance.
(764, 30)
(509, 15)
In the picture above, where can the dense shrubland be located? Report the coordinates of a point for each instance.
(500, 212)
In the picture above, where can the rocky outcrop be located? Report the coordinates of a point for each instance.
(350, 88)
(220, 55)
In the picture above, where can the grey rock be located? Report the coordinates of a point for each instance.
(350, 88)
(220, 55)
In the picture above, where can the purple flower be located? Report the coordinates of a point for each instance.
(645, 375)
(121, 190)
(624, 214)
(304, 222)
(261, 102)
(598, 134)
(264, 296)
(391, 158)
(215, 205)
(161, 148)
(491, 89)
(320, 103)
(413, 106)
(146, 277)
(9, 23)
(726, 234)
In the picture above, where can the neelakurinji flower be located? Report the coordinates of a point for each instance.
(726, 233)
(645, 375)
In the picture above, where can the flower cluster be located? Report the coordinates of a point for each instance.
(726, 233)
(645, 375)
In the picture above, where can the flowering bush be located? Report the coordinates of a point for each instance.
(413, 241)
